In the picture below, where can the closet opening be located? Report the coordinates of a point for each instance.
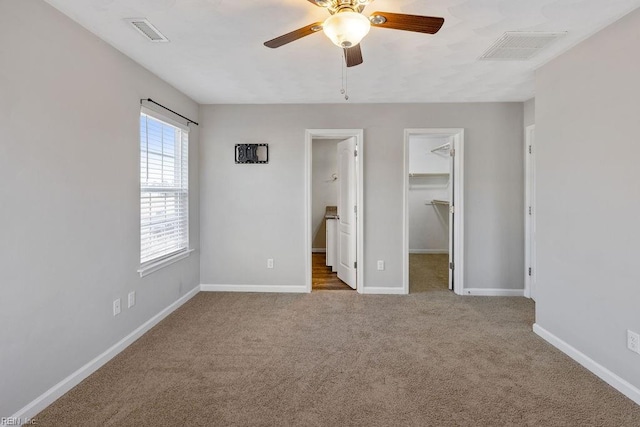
(433, 201)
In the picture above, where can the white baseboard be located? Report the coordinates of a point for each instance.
(371, 290)
(429, 251)
(620, 384)
(55, 392)
(253, 288)
(494, 292)
(319, 250)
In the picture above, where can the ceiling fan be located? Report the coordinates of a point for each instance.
(347, 26)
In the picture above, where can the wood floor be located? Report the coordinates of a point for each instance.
(322, 279)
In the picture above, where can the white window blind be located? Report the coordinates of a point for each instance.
(164, 189)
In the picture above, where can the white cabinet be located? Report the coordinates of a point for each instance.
(332, 243)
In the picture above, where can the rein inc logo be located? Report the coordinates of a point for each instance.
(17, 421)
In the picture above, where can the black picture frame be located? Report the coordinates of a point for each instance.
(251, 153)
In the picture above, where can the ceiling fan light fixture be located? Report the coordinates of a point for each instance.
(346, 29)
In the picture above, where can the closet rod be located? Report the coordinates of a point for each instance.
(442, 147)
(169, 109)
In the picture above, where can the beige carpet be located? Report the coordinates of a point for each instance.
(343, 359)
(428, 272)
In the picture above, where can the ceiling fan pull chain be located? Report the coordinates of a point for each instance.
(342, 68)
(345, 83)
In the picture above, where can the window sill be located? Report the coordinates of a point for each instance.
(155, 266)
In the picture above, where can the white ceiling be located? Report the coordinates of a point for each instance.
(216, 53)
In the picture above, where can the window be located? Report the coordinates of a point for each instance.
(164, 191)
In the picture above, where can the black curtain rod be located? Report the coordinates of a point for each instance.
(169, 109)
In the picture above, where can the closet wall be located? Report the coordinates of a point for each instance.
(429, 180)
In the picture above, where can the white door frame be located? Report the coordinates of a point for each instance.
(457, 135)
(529, 211)
(310, 135)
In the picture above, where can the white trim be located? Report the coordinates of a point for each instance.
(158, 113)
(147, 269)
(529, 220)
(458, 144)
(494, 292)
(319, 250)
(55, 392)
(374, 290)
(310, 135)
(429, 251)
(620, 384)
(252, 288)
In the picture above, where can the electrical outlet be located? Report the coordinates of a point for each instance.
(270, 263)
(380, 265)
(131, 301)
(633, 341)
(116, 307)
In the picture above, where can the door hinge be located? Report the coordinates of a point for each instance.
(529, 210)
(452, 152)
(355, 153)
(452, 209)
(529, 149)
(355, 209)
(355, 264)
(452, 266)
(529, 271)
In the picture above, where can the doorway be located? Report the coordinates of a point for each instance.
(433, 210)
(334, 221)
(325, 189)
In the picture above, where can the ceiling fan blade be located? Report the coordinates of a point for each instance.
(400, 21)
(294, 35)
(353, 56)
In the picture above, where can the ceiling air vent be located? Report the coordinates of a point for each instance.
(147, 29)
(519, 46)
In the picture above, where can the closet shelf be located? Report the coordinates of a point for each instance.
(439, 202)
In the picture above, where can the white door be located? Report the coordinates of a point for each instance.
(452, 210)
(530, 212)
(347, 211)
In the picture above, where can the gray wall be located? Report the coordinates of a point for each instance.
(529, 112)
(69, 174)
(428, 223)
(588, 196)
(251, 213)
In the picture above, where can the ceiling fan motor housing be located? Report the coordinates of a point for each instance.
(336, 6)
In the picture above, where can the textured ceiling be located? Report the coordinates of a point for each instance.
(216, 54)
